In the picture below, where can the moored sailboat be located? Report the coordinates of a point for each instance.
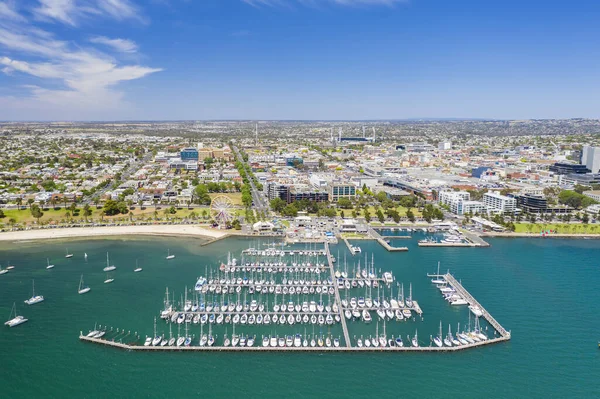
(169, 256)
(16, 320)
(82, 288)
(109, 267)
(34, 298)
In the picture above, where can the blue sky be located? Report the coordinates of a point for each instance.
(298, 59)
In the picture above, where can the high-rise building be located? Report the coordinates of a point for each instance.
(590, 157)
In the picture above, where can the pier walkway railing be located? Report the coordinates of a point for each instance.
(337, 297)
(473, 302)
(287, 349)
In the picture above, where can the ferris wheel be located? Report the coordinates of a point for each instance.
(221, 209)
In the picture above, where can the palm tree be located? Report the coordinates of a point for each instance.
(19, 201)
(30, 201)
(102, 214)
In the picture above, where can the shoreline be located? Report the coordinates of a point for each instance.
(537, 235)
(114, 231)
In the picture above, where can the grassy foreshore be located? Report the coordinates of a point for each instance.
(559, 228)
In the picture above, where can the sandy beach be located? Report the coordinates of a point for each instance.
(83, 232)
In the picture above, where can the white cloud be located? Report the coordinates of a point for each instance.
(70, 12)
(122, 45)
(119, 9)
(72, 80)
(8, 11)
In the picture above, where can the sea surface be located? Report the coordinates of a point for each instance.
(546, 291)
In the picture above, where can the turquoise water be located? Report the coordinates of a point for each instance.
(544, 291)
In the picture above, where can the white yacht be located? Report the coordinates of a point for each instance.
(137, 270)
(34, 298)
(438, 340)
(200, 283)
(109, 267)
(415, 340)
(366, 316)
(49, 266)
(82, 288)
(169, 256)
(16, 320)
(68, 255)
(108, 279)
(452, 239)
(476, 310)
(3, 271)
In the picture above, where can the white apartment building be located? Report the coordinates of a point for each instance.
(460, 202)
(498, 203)
(444, 145)
(595, 195)
(449, 197)
(471, 207)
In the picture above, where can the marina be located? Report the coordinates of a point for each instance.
(295, 291)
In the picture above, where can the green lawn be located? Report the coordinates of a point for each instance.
(562, 228)
(24, 216)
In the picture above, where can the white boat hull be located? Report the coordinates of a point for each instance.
(34, 300)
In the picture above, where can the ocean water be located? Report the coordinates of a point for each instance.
(544, 290)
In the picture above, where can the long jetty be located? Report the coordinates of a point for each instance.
(473, 302)
(120, 345)
(337, 297)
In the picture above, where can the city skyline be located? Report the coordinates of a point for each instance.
(296, 60)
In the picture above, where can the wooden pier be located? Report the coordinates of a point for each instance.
(337, 298)
(473, 302)
(349, 246)
(286, 349)
(384, 244)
